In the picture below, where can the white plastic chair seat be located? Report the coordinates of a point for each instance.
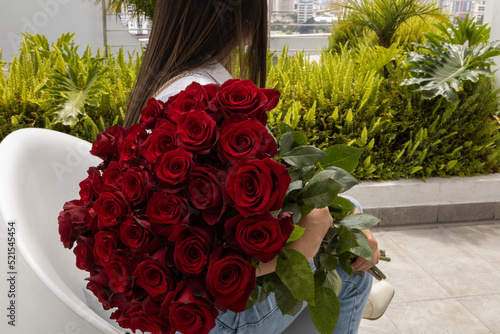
(40, 171)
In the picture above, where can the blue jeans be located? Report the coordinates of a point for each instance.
(266, 318)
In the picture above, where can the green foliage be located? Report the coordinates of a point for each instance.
(402, 134)
(442, 70)
(467, 32)
(57, 87)
(384, 17)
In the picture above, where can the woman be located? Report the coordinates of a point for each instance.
(192, 40)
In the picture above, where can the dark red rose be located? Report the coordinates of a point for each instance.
(84, 254)
(153, 110)
(130, 147)
(112, 174)
(244, 97)
(154, 277)
(262, 236)
(109, 207)
(193, 97)
(257, 186)
(142, 316)
(242, 138)
(189, 310)
(107, 142)
(136, 234)
(136, 185)
(173, 167)
(72, 222)
(192, 248)
(211, 90)
(98, 284)
(230, 278)
(160, 140)
(105, 243)
(206, 192)
(197, 132)
(166, 209)
(118, 270)
(89, 185)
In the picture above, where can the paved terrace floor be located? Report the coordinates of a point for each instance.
(447, 279)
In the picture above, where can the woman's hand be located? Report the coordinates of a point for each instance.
(363, 264)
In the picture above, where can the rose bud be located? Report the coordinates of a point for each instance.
(159, 141)
(154, 277)
(107, 142)
(154, 109)
(165, 210)
(192, 248)
(173, 168)
(84, 254)
(193, 97)
(197, 132)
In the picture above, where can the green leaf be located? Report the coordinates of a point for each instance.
(286, 142)
(327, 261)
(361, 221)
(252, 299)
(321, 190)
(342, 156)
(326, 309)
(364, 249)
(293, 207)
(345, 262)
(342, 176)
(293, 190)
(286, 302)
(341, 207)
(303, 156)
(297, 232)
(346, 240)
(299, 138)
(296, 273)
(333, 281)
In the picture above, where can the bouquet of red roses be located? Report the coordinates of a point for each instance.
(173, 223)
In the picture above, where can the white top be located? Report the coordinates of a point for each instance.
(212, 73)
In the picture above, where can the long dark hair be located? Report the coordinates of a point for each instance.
(188, 34)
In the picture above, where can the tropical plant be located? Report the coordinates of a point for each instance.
(385, 16)
(442, 70)
(467, 32)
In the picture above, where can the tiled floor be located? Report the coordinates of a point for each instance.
(447, 280)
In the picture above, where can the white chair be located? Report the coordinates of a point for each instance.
(39, 172)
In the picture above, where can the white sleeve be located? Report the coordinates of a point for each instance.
(181, 84)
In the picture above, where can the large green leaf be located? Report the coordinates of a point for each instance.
(295, 272)
(440, 71)
(321, 190)
(326, 309)
(303, 156)
(343, 156)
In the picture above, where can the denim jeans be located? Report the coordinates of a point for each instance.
(266, 318)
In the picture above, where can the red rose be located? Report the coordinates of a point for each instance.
(230, 278)
(105, 243)
(206, 192)
(162, 137)
(261, 236)
(84, 254)
(197, 132)
(166, 209)
(89, 185)
(173, 167)
(107, 142)
(112, 174)
(109, 207)
(257, 186)
(98, 284)
(193, 97)
(242, 138)
(72, 222)
(189, 310)
(192, 249)
(141, 316)
(244, 97)
(153, 277)
(118, 270)
(153, 110)
(135, 234)
(136, 185)
(130, 147)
